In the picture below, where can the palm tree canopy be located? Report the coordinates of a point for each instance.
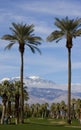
(66, 29)
(23, 35)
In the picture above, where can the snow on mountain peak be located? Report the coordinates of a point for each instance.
(5, 79)
(34, 77)
(37, 82)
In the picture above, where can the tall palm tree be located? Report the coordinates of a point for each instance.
(24, 36)
(17, 98)
(3, 93)
(68, 29)
(53, 109)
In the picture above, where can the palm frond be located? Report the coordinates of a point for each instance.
(9, 45)
(37, 49)
(60, 24)
(33, 48)
(8, 37)
(77, 33)
(34, 40)
(56, 35)
(29, 29)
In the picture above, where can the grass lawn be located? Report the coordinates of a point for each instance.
(35, 127)
(42, 124)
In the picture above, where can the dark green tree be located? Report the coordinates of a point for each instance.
(68, 29)
(22, 34)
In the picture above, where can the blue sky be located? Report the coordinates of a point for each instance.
(52, 64)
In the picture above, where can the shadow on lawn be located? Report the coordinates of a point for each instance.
(45, 124)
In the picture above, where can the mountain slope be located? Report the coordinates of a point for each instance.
(41, 90)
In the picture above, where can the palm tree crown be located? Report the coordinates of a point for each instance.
(67, 29)
(23, 35)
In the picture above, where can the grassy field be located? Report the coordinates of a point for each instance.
(36, 127)
(42, 124)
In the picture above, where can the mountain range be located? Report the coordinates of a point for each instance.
(41, 90)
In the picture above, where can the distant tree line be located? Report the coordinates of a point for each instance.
(55, 110)
(10, 95)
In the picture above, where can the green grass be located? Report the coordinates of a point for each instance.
(35, 127)
(51, 121)
(42, 124)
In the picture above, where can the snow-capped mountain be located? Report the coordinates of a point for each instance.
(36, 81)
(41, 90)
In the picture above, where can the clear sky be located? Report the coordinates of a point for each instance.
(52, 64)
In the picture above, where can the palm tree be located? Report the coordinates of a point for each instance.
(7, 94)
(78, 105)
(23, 35)
(17, 98)
(73, 103)
(68, 29)
(3, 93)
(53, 110)
(63, 109)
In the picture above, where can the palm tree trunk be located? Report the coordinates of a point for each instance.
(9, 108)
(69, 85)
(17, 107)
(9, 111)
(22, 95)
(3, 112)
(4, 100)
